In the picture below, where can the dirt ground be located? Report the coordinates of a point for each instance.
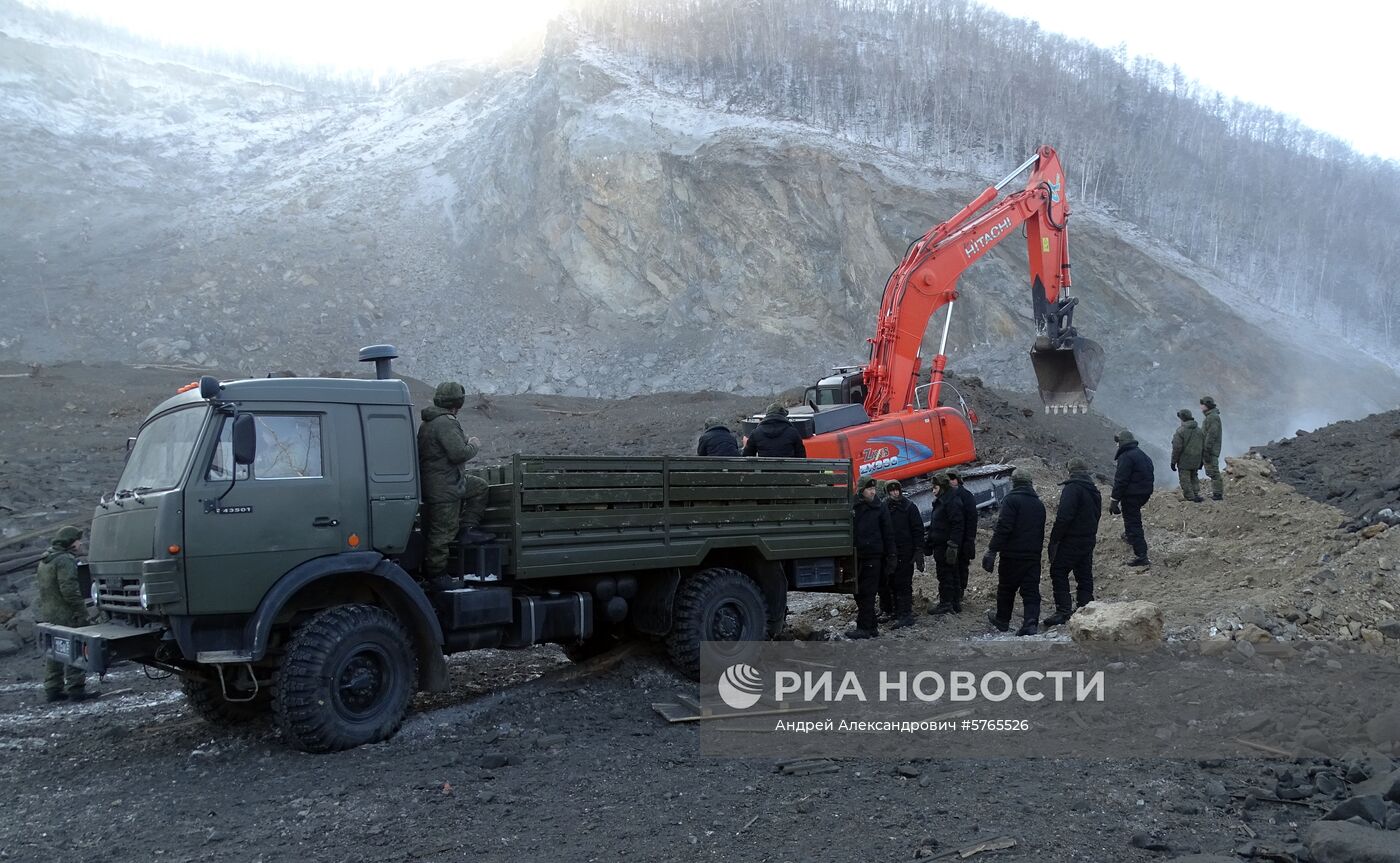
(530, 757)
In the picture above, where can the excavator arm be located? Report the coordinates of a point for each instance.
(1067, 366)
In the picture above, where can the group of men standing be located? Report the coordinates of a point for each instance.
(891, 538)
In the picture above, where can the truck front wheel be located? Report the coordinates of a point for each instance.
(720, 606)
(346, 679)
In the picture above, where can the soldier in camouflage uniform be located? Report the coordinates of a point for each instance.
(1211, 453)
(453, 502)
(1188, 447)
(61, 603)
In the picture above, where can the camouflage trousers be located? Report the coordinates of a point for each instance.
(1217, 482)
(1190, 482)
(63, 678)
(443, 521)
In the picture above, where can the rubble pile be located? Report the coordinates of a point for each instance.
(1348, 464)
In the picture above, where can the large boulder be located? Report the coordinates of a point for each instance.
(1121, 623)
(10, 643)
(1345, 842)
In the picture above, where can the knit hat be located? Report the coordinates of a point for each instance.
(1124, 436)
(1184, 415)
(868, 482)
(449, 395)
(1022, 477)
(67, 535)
(940, 479)
(893, 485)
(1208, 401)
(954, 474)
(713, 422)
(775, 410)
(1078, 465)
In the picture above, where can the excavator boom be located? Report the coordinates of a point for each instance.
(879, 417)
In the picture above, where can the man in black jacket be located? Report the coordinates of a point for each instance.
(775, 437)
(969, 544)
(717, 440)
(1072, 540)
(943, 542)
(908, 525)
(1019, 538)
(875, 555)
(1132, 487)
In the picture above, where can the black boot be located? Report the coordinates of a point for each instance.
(80, 695)
(1059, 618)
(1028, 628)
(902, 622)
(1217, 497)
(1139, 561)
(942, 608)
(1000, 625)
(857, 633)
(51, 697)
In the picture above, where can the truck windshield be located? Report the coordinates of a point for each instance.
(162, 451)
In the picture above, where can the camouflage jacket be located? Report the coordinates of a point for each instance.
(1212, 433)
(60, 598)
(442, 450)
(1188, 446)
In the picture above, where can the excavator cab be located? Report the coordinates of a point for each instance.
(844, 386)
(1067, 365)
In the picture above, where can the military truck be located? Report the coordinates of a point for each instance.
(262, 544)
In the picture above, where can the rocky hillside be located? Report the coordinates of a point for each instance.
(559, 226)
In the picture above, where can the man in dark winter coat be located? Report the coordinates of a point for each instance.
(875, 556)
(969, 545)
(1210, 454)
(1072, 540)
(944, 541)
(1019, 538)
(775, 437)
(1188, 447)
(717, 439)
(908, 525)
(1132, 487)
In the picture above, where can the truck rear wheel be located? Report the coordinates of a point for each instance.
(716, 605)
(345, 680)
(206, 699)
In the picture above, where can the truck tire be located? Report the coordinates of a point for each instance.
(716, 605)
(206, 699)
(345, 680)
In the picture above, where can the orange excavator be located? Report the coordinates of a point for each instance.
(878, 416)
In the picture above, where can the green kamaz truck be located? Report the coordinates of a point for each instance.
(262, 544)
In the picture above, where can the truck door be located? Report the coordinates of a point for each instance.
(243, 531)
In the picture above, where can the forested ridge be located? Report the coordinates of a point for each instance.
(1290, 215)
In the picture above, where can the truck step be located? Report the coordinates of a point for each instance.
(221, 657)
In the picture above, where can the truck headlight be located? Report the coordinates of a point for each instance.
(94, 592)
(145, 598)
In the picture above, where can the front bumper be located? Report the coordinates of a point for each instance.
(96, 648)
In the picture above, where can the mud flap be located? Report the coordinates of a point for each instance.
(1067, 377)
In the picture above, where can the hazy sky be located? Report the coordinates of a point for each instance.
(1331, 65)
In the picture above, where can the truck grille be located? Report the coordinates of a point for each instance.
(118, 594)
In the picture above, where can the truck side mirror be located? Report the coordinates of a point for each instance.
(245, 439)
(130, 445)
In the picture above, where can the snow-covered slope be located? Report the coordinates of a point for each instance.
(556, 226)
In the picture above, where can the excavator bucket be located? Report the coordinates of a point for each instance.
(1068, 376)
